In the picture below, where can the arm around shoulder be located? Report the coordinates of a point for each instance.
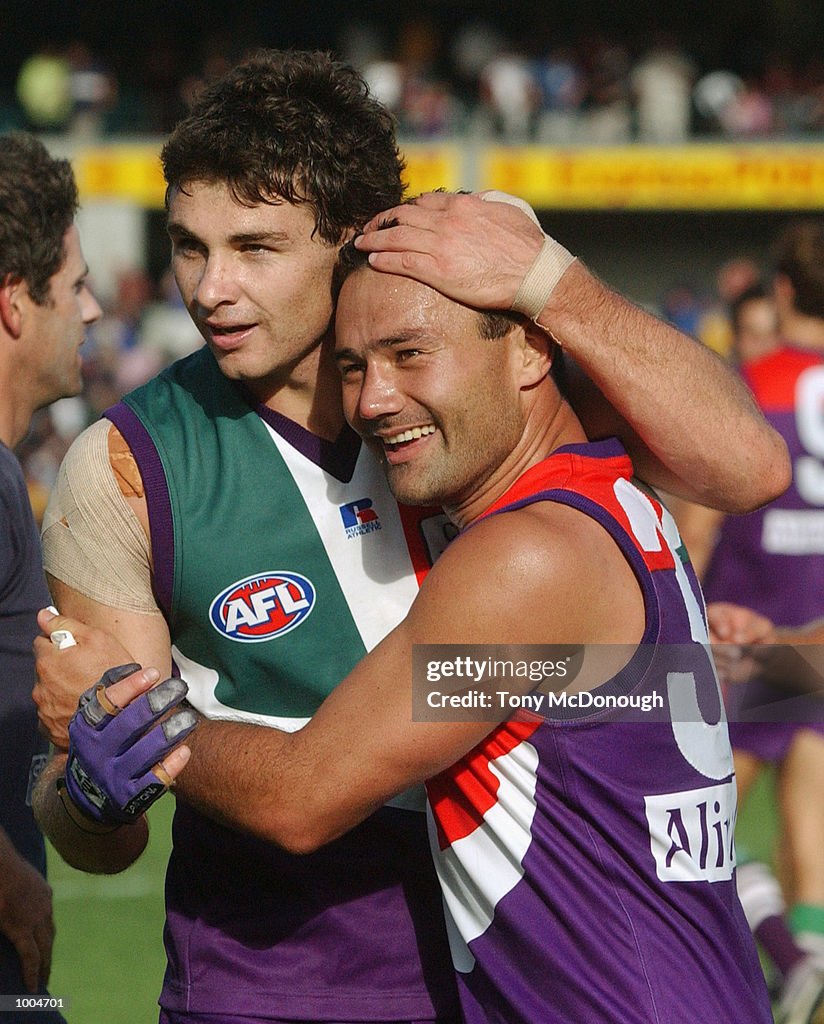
(493, 585)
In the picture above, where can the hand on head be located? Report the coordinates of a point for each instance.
(473, 251)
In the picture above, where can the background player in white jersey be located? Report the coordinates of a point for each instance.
(274, 169)
(571, 849)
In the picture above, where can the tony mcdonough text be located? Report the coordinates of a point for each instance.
(543, 702)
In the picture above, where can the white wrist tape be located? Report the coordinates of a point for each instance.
(547, 268)
(546, 271)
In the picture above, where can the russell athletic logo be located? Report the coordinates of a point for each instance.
(262, 607)
(359, 517)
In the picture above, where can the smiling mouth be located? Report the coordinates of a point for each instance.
(226, 335)
(397, 441)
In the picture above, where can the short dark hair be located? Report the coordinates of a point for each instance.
(38, 201)
(494, 323)
(294, 124)
(800, 255)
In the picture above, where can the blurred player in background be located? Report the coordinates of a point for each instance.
(45, 308)
(225, 517)
(754, 325)
(773, 561)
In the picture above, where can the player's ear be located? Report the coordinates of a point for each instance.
(12, 292)
(536, 351)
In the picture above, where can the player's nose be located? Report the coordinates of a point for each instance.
(90, 307)
(379, 394)
(215, 284)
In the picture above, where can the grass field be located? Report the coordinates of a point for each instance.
(109, 958)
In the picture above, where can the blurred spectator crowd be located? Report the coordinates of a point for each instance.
(476, 84)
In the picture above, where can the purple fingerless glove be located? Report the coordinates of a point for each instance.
(112, 752)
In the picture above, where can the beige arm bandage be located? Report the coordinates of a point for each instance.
(92, 540)
(546, 271)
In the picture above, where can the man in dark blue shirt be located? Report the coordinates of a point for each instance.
(45, 307)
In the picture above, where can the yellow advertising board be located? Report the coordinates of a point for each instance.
(432, 167)
(122, 171)
(700, 176)
(694, 177)
(132, 172)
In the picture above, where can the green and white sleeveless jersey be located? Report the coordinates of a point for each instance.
(279, 560)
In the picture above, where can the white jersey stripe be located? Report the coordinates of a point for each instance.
(360, 557)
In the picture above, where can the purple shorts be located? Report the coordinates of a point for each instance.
(764, 720)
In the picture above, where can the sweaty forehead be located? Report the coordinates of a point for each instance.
(374, 306)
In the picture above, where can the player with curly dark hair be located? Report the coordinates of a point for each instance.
(299, 126)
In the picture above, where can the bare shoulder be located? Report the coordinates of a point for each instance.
(542, 574)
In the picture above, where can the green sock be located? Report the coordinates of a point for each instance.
(807, 917)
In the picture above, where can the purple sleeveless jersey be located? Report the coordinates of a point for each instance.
(586, 856)
(772, 560)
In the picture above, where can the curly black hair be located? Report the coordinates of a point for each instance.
(296, 125)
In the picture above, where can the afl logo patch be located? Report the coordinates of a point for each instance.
(262, 607)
